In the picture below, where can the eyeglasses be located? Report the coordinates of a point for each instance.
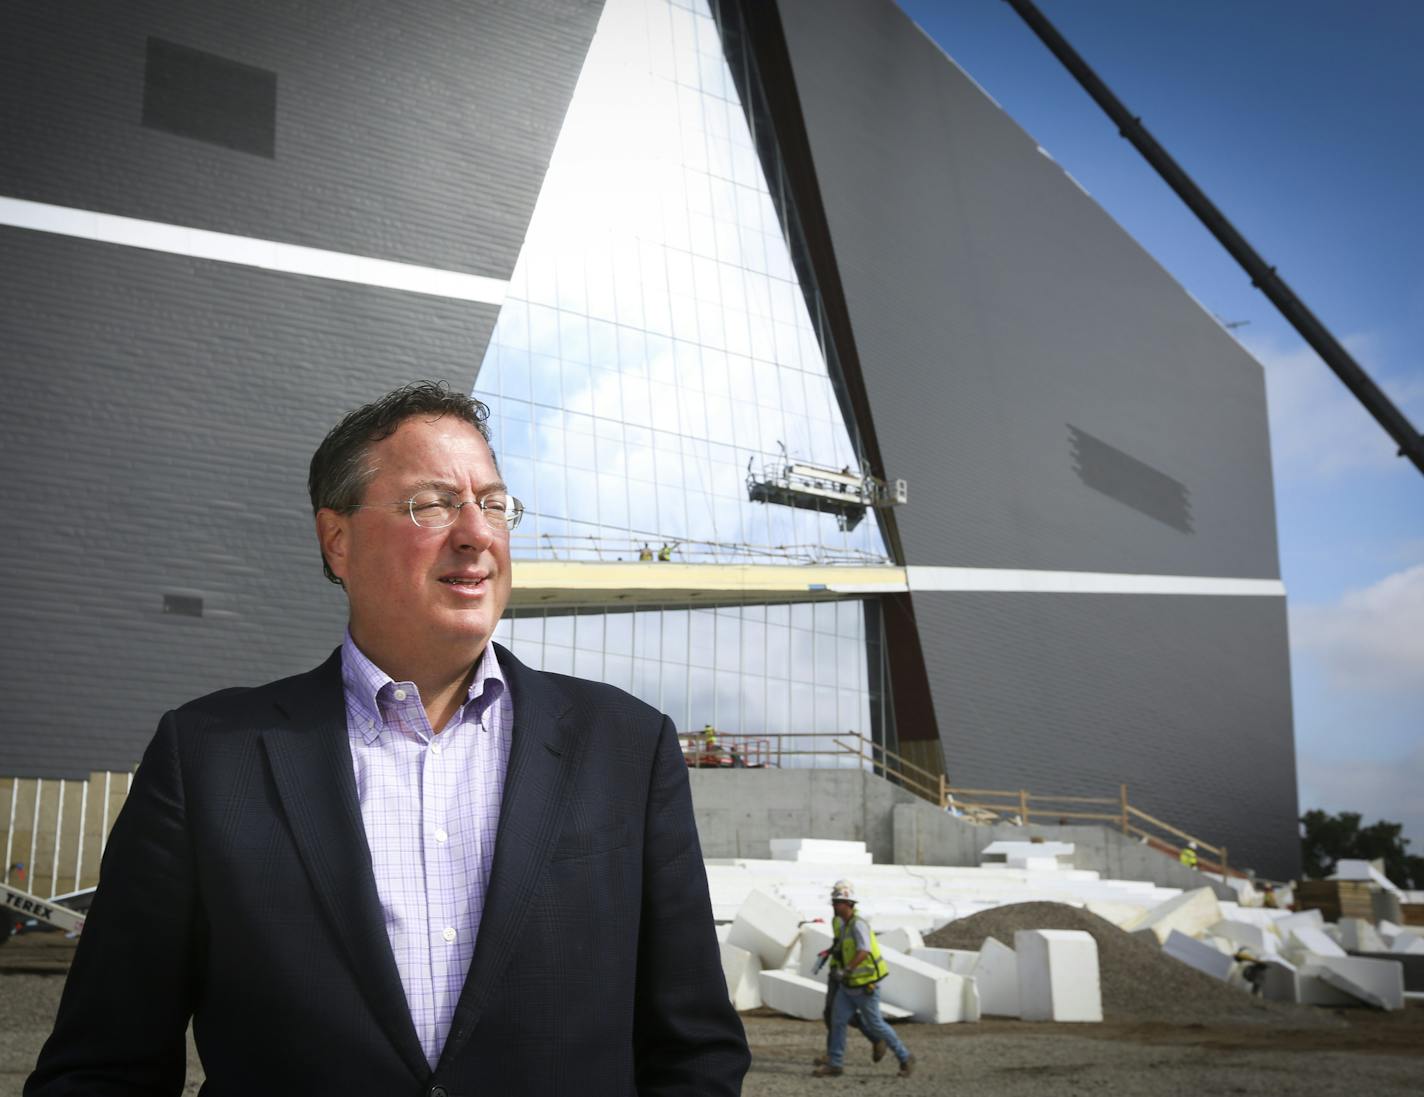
(438, 509)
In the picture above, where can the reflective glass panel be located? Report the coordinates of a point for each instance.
(655, 348)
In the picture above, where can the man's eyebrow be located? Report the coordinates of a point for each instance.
(454, 489)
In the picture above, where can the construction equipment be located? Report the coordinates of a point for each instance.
(65, 912)
(845, 493)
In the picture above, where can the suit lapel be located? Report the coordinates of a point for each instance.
(311, 765)
(542, 745)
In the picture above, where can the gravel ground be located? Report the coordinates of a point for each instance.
(1327, 1053)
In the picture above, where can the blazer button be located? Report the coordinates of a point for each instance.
(437, 1091)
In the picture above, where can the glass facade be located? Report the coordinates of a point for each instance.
(772, 670)
(655, 342)
(655, 349)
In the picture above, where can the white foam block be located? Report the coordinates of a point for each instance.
(1007, 850)
(1363, 870)
(767, 927)
(740, 969)
(1198, 954)
(901, 939)
(816, 937)
(1242, 935)
(1119, 914)
(1192, 913)
(822, 851)
(1407, 944)
(1315, 991)
(1378, 983)
(958, 960)
(930, 993)
(792, 994)
(1311, 919)
(1058, 975)
(1309, 939)
(1358, 935)
(1282, 982)
(972, 1007)
(996, 974)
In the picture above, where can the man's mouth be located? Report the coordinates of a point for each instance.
(466, 581)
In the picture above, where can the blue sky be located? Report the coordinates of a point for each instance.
(1300, 120)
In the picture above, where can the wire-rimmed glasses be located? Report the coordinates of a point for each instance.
(438, 509)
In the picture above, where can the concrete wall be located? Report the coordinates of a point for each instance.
(738, 812)
(924, 835)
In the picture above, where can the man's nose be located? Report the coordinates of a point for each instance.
(470, 527)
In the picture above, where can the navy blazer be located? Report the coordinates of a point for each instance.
(237, 888)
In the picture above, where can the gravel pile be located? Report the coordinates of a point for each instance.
(1139, 982)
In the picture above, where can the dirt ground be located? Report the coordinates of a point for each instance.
(1369, 1053)
(1341, 1053)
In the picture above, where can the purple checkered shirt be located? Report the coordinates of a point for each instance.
(430, 804)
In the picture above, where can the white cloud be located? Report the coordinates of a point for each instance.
(1391, 789)
(1371, 639)
(1318, 428)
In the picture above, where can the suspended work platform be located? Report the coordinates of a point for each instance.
(841, 492)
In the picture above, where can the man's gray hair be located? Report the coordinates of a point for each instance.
(339, 469)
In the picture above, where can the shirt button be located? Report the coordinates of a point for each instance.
(435, 748)
(441, 834)
(400, 695)
(449, 933)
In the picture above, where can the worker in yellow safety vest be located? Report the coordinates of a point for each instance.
(858, 966)
(1188, 856)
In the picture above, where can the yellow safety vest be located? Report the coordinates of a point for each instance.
(872, 969)
(1188, 857)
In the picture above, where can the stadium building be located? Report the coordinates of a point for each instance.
(839, 408)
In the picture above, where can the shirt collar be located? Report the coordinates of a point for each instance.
(362, 681)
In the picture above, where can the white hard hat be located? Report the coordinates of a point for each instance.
(842, 891)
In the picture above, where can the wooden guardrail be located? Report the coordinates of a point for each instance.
(1016, 806)
(53, 832)
(1024, 807)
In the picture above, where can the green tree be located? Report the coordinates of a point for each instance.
(1328, 839)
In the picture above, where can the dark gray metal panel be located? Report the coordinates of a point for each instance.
(176, 402)
(1186, 699)
(1000, 315)
(417, 133)
(1056, 401)
(158, 419)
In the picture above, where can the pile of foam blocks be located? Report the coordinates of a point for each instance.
(774, 921)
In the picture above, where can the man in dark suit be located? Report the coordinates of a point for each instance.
(421, 868)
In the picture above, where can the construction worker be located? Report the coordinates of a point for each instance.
(1188, 856)
(857, 965)
(711, 752)
(645, 553)
(1268, 898)
(1253, 970)
(665, 553)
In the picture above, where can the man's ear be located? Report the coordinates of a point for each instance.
(332, 534)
